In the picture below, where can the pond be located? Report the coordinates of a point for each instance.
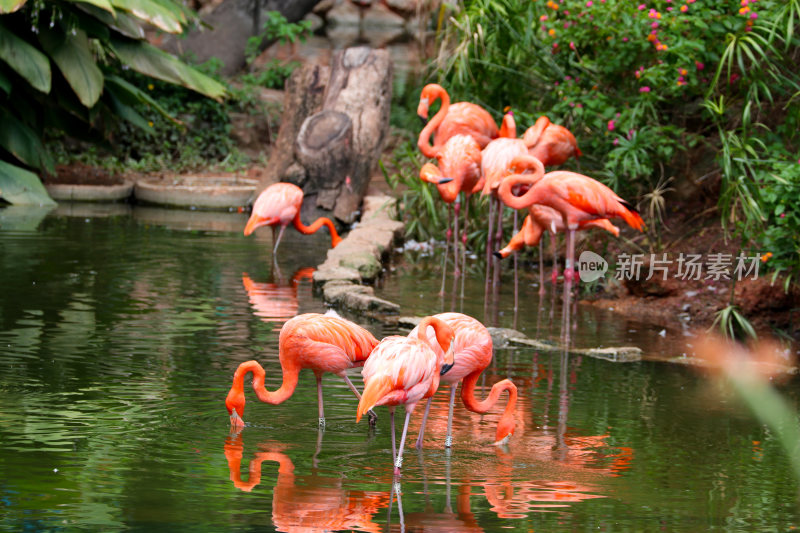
(120, 329)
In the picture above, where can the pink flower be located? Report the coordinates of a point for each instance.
(572, 45)
(589, 3)
(754, 15)
(783, 215)
(642, 7)
(611, 125)
(578, 105)
(644, 89)
(699, 65)
(684, 8)
(615, 141)
(624, 39)
(654, 25)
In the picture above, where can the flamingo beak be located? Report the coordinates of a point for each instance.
(423, 119)
(253, 222)
(444, 180)
(445, 368)
(236, 421)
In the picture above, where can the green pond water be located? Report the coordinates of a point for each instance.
(120, 330)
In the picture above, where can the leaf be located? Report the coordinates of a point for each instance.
(5, 84)
(128, 113)
(122, 23)
(22, 142)
(9, 6)
(153, 62)
(153, 12)
(22, 187)
(76, 63)
(26, 60)
(102, 4)
(130, 95)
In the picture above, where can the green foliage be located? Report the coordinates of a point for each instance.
(62, 73)
(276, 28)
(733, 324)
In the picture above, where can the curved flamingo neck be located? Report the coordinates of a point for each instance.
(505, 191)
(286, 389)
(424, 141)
(444, 333)
(506, 422)
(314, 227)
(508, 128)
(532, 134)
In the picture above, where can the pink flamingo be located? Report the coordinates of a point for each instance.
(550, 143)
(451, 119)
(278, 205)
(320, 342)
(578, 198)
(405, 370)
(458, 171)
(540, 219)
(472, 353)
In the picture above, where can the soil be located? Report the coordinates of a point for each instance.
(82, 174)
(691, 227)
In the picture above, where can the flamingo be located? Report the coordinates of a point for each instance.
(451, 119)
(274, 302)
(495, 160)
(321, 343)
(540, 219)
(405, 370)
(278, 205)
(578, 198)
(458, 171)
(472, 353)
(550, 143)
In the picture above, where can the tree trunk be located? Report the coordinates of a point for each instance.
(360, 86)
(325, 150)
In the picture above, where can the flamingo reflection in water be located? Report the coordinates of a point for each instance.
(305, 503)
(275, 302)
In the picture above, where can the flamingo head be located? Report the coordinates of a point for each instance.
(235, 405)
(446, 338)
(422, 110)
(430, 173)
(256, 221)
(504, 431)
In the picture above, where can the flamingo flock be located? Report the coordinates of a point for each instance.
(512, 173)
(473, 156)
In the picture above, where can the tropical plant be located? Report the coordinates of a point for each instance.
(61, 66)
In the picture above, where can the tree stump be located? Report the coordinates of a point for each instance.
(333, 130)
(325, 149)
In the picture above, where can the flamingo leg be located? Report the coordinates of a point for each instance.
(541, 265)
(498, 238)
(553, 243)
(446, 247)
(418, 444)
(319, 402)
(398, 463)
(516, 275)
(489, 241)
(456, 239)
(280, 234)
(569, 267)
(464, 242)
(373, 418)
(448, 441)
(394, 450)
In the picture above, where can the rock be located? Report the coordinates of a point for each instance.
(325, 274)
(623, 354)
(409, 322)
(502, 336)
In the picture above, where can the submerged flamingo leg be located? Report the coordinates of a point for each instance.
(456, 239)
(418, 444)
(516, 274)
(498, 238)
(319, 402)
(569, 272)
(398, 463)
(394, 450)
(448, 440)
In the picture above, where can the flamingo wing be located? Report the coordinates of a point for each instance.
(496, 159)
(469, 119)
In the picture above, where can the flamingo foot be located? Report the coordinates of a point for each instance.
(554, 276)
(373, 418)
(542, 292)
(570, 275)
(322, 422)
(448, 441)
